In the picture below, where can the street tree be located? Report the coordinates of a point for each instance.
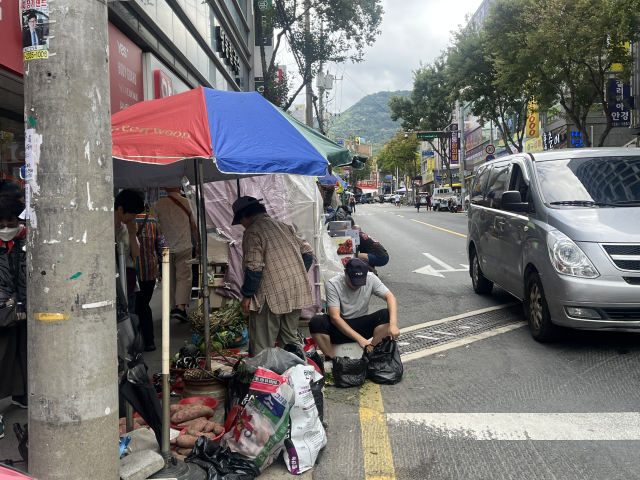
(567, 47)
(473, 75)
(401, 152)
(429, 107)
(337, 31)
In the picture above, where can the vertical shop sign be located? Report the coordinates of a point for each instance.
(619, 103)
(125, 71)
(533, 121)
(163, 84)
(11, 35)
(35, 29)
(455, 146)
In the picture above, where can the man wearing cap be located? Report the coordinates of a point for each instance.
(276, 288)
(348, 303)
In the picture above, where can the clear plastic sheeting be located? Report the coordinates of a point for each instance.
(292, 199)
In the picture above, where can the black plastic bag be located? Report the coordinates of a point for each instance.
(221, 463)
(23, 440)
(349, 372)
(317, 359)
(238, 388)
(318, 397)
(384, 363)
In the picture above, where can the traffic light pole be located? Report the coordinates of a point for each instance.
(72, 368)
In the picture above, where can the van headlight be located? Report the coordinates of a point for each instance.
(568, 258)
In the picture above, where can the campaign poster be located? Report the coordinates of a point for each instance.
(35, 29)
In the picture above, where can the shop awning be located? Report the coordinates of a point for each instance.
(239, 134)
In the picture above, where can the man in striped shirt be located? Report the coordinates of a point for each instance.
(151, 243)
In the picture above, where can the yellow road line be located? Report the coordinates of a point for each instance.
(439, 228)
(376, 448)
(401, 215)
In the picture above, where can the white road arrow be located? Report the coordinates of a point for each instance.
(429, 270)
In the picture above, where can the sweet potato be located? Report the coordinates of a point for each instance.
(139, 421)
(213, 427)
(217, 429)
(186, 441)
(123, 430)
(192, 413)
(196, 425)
(122, 421)
(184, 451)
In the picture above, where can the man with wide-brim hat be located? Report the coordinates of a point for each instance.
(276, 288)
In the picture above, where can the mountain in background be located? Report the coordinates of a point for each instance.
(368, 118)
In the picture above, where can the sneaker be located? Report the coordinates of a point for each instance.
(20, 401)
(179, 314)
(150, 348)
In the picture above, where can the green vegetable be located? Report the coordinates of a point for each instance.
(227, 319)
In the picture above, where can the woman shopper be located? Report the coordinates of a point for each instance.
(151, 244)
(352, 203)
(13, 281)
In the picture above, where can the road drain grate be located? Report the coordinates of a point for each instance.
(435, 335)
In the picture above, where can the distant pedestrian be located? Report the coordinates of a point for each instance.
(397, 200)
(418, 199)
(428, 202)
(352, 203)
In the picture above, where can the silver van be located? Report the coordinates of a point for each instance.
(560, 230)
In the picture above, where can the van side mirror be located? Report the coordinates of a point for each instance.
(512, 201)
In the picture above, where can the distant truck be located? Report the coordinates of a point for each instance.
(440, 198)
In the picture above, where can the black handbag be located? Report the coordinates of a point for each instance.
(12, 311)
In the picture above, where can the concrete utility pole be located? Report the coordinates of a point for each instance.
(309, 102)
(73, 378)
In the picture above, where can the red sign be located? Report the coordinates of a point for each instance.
(10, 36)
(163, 84)
(125, 71)
(367, 184)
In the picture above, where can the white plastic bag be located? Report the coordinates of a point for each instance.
(306, 435)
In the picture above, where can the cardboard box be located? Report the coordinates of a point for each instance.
(218, 301)
(217, 252)
(340, 225)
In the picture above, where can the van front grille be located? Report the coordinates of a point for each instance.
(622, 313)
(618, 252)
(632, 280)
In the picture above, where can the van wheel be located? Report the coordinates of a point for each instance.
(542, 329)
(481, 285)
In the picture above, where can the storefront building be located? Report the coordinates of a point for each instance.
(156, 49)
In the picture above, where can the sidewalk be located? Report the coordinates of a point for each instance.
(180, 333)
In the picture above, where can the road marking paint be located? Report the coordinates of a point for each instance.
(463, 341)
(429, 270)
(401, 215)
(457, 317)
(438, 261)
(444, 333)
(376, 448)
(605, 426)
(439, 228)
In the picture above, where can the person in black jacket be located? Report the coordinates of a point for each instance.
(371, 251)
(13, 340)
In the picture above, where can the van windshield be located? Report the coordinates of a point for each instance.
(591, 182)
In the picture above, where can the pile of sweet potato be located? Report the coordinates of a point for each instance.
(195, 417)
(137, 423)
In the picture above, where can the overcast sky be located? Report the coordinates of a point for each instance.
(412, 31)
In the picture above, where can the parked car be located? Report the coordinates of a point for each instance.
(440, 198)
(560, 230)
(387, 198)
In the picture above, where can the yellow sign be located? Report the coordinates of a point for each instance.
(533, 145)
(533, 121)
(428, 177)
(617, 67)
(51, 317)
(431, 164)
(33, 54)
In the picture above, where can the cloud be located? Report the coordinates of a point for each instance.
(413, 31)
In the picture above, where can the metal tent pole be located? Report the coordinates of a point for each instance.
(204, 263)
(122, 270)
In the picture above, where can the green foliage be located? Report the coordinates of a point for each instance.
(368, 118)
(473, 75)
(400, 152)
(563, 48)
(338, 30)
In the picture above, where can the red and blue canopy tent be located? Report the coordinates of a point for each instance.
(235, 134)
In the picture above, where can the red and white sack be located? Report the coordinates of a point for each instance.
(306, 435)
(259, 430)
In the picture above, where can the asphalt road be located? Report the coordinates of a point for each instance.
(484, 401)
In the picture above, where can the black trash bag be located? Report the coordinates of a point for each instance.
(221, 463)
(23, 440)
(349, 372)
(318, 397)
(317, 359)
(295, 349)
(384, 363)
(238, 388)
